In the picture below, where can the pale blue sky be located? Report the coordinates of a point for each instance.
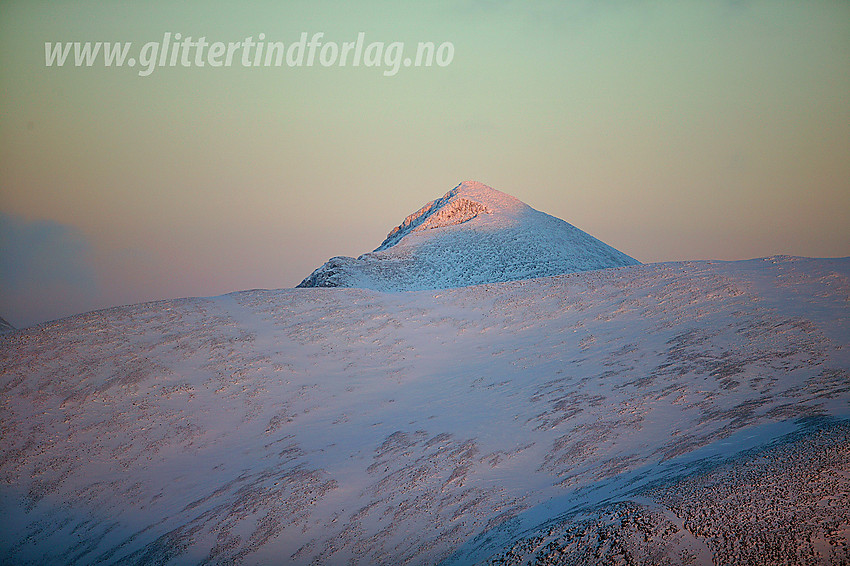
(670, 130)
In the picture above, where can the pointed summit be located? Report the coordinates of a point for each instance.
(473, 234)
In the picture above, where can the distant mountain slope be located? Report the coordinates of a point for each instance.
(474, 234)
(681, 413)
(5, 326)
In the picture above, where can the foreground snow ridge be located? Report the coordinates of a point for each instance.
(681, 413)
(472, 235)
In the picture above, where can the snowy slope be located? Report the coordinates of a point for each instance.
(472, 235)
(650, 411)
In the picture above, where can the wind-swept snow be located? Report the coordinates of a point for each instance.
(653, 411)
(472, 235)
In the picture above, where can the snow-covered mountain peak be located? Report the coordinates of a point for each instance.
(471, 235)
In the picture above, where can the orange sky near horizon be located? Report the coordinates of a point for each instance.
(687, 130)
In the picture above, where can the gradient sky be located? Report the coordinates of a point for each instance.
(670, 130)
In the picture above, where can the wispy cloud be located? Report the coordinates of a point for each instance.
(45, 269)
